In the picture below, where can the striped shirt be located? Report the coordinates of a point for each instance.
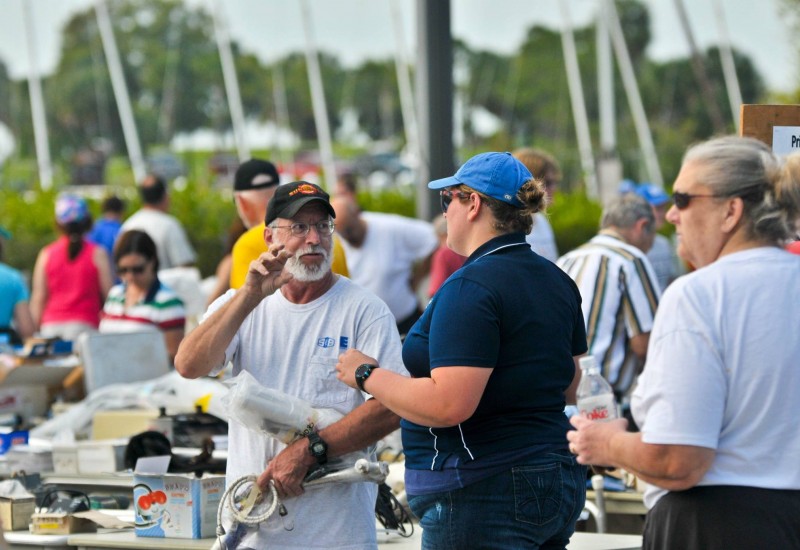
(161, 310)
(620, 293)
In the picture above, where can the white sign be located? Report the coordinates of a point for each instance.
(785, 139)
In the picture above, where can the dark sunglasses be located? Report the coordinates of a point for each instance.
(133, 270)
(446, 196)
(682, 200)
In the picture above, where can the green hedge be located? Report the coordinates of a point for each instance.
(207, 213)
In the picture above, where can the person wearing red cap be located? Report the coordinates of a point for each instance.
(286, 326)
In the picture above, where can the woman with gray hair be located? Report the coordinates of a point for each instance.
(719, 398)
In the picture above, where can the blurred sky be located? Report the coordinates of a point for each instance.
(358, 29)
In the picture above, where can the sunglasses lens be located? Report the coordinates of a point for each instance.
(446, 198)
(681, 200)
(134, 270)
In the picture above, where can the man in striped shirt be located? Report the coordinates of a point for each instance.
(619, 288)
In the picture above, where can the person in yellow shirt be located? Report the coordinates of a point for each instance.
(254, 184)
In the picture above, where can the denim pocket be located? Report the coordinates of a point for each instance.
(538, 492)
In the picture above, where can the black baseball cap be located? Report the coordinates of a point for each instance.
(290, 198)
(255, 174)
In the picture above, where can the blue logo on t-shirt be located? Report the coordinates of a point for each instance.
(326, 342)
(344, 343)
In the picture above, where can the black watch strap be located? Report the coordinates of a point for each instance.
(362, 373)
(318, 448)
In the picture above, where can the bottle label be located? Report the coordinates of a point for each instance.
(599, 407)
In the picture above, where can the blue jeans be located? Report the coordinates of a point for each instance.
(532, 505)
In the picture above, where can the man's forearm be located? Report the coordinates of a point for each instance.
(203, 349)
(362, 427)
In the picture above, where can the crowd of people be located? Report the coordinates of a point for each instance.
(465, 333)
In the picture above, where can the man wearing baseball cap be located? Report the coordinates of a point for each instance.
(286, 326)
(662, 255)
(254, 184)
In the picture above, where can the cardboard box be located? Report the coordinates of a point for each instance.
(125, 423)
(15, 513)
(60, 523)
(65, 458)
(29, 459)
(174, 505)
(104, 456)
(9, 439)
(27, 400)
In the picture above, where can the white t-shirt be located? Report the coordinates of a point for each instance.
(542, 239)
(723, 370)
(384, 260)
(294, 348)
(167, 232)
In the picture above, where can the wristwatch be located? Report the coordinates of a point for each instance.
(318, 448)
(362, 373)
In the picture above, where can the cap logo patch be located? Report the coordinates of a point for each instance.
(305, 189)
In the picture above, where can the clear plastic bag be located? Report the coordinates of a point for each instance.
(272, 412)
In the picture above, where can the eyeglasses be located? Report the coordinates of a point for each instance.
(133, 270)
(446, 196)
(682, 200)
(300, 229)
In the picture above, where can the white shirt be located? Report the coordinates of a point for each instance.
(172, 246)
(723, 370)
(542, 239)
(294, 348)
(384, 261)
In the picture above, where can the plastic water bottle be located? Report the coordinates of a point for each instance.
(595, 396)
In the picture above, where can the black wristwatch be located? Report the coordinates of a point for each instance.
(362, 373)
(318, 448)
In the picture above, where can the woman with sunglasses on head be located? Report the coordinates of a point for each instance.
(719, 398)
(142, 302)
(492, 361)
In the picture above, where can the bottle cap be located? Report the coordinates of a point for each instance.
(587, 362)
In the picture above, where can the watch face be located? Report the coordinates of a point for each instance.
(318, 448)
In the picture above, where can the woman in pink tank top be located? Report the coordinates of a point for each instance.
(71, 277)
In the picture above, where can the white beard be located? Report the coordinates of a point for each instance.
(309, 273)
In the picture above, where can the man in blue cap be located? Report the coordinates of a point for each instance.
(662, 254)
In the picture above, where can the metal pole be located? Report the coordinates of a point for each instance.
(231, 81)
(318, 99)
(605, 84)
(728, 66)
(698, 67)
(404, 84)
(435, 100)
(578, 102)
(37, 103)
(120, 91)
(634, 99)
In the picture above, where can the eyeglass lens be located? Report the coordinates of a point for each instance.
(300, 229)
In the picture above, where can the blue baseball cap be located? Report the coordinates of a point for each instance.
(652, 193)
(496, 175)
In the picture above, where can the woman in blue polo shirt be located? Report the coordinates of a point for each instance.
(492, 361)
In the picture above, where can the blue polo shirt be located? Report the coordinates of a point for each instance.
(515, 312)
